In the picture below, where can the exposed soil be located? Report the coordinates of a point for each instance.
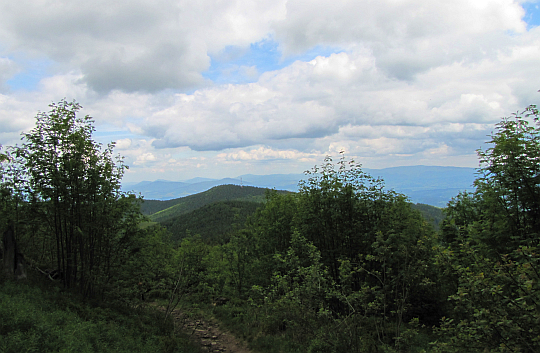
(208, 334)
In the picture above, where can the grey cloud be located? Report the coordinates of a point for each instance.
(231, 124)
(406, 38)
(162, 68)
(314, 105)
(215, 145)
(8, 68)
(408, 79)
(133, 45)
(215, 138)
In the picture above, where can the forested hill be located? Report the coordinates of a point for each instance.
(161, 211)
(212, 214)
(213, 222)
(432, 214)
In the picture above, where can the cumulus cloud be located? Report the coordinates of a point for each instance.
(8, 68)
(340, 96)
(264, 153)
(406, 37)
(135, 45)
(123, 144)
(401, 81)
(145, 157)
(151, 46)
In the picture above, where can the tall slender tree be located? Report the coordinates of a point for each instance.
(75, 184)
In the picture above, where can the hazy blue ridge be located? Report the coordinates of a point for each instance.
(431, 185)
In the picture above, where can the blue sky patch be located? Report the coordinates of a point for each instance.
(30, 75)
(532, 14)
(243, 65)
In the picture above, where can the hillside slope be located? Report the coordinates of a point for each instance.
(213, 214)
(161, 211)
(213, 222)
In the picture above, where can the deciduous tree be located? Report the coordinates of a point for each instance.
(74, 184)
(493, 237)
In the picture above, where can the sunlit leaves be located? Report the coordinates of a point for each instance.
(493, 238)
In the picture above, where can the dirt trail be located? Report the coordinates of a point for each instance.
(208, 334)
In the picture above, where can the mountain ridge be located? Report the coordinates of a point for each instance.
(431, 185)
(214, 213)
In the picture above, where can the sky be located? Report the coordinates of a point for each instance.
(224, 88)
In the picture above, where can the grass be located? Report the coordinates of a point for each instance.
(33, 319)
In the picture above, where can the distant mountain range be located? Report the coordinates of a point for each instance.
(431, 185)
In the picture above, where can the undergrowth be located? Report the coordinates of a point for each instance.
(33, 319)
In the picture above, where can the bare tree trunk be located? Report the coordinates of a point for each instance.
(13, 260)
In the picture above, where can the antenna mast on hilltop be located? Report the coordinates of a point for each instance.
(241, 183)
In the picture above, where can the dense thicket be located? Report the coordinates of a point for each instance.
(343, 252)
(493, 238)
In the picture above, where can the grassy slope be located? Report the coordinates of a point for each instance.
(219, 193)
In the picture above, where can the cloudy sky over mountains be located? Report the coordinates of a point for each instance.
(223, 88)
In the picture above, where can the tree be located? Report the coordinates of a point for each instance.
(10, 190)
(493, 239)
(74, 185)
(358, 256)
(267, 233)
(339, 210)
(510, 181)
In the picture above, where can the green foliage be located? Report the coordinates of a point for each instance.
(270, 232)
(13, 207)
(339, 210)
(74, 190)
(299, 289)
(146, 268)
(493, 241)
(377, 248)
(190, 203)
(434, 215)
(32, 320)
(504, 212)
(239, 253)
(496, 303)
(510, 181)
(213, 222)
(189, 264)
(337, 266)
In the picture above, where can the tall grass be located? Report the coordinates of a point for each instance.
(37, 320)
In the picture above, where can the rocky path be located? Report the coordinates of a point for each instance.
(208, 334)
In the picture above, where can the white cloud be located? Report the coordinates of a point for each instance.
(408, 81)
(8, 68)
(143, 158)
(316, 99)
(123, 144)
(134, 45)
(263, 153)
